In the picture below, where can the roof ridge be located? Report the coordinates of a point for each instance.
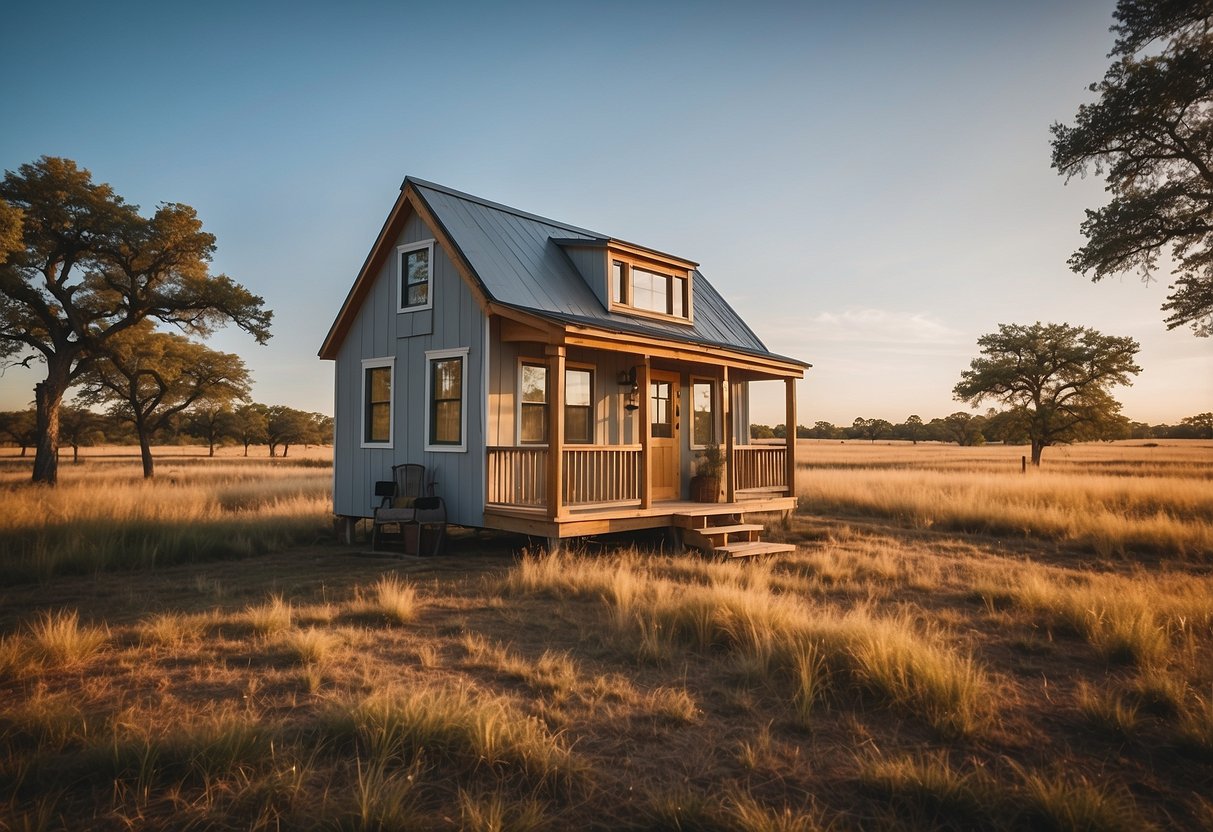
(497, 206)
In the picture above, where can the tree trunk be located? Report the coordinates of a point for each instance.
(212, 451)
(246, 444)
(286, 449)
(145, 452)
(1037, 447)
(48, 396)
(75, 454)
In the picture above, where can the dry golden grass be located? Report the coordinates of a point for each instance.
(104, 515)
(884, 676)
(1111, 514)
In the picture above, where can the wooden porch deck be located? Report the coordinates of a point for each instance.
(607, 519)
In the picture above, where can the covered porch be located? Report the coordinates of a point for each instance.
(656, 407)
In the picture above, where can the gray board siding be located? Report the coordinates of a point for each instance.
(518, 261)
(379, 331)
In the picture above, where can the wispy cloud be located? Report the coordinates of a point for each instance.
(871, 326)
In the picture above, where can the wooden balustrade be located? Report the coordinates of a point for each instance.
(760, 467)
(601, 474)
(517, 476)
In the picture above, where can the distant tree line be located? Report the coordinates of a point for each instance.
(964, 428)
(214, 425)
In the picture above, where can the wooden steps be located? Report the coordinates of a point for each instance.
(724, 534)
(749, 550)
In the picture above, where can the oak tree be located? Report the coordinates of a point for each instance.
(89, 267)
(1055, 378)
(150, 377)
(1150, 134)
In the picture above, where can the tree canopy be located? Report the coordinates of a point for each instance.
(1055, 378)
(1150, 133)
(149, 377)
(88, 266)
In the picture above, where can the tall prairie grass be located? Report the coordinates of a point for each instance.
(1105, 499)
(106, 516)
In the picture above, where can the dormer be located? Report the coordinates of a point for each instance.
(633, 280)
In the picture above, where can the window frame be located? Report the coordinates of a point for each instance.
(375, 364)
(518, 405)
(432, 356)
(547, 401)
(622, 289)
(591, 408)
(712, 385)
(402, 251)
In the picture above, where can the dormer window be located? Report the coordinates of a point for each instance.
(649, 289)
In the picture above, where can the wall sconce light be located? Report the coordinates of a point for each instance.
(627, 378)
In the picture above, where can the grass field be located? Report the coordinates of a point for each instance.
(921, 661)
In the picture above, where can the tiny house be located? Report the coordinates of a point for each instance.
(554, 381)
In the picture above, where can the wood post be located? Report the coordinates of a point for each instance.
(555, 431)
(789, 425)
(645, 428)
(726, 421)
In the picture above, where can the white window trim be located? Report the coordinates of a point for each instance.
(714, 386)
(401, 286)
(430, 357)
(369, 363)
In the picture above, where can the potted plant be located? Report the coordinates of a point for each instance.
(705, 485)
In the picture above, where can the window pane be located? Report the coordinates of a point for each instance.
(447, 419)
(415, 266)
(703, 422)
(446, 409)
(577, 387)
(534, 423)
(577, 424)
(662, 423)
(380, 426)
(377, 408)
(617, 278)
(534, 384)
(678, 298)
(447, 377)
(650, 291)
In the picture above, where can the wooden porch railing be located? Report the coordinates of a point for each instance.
(760, 468)
(601, 474)
(517, 476)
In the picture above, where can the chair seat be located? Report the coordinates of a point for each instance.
(395, 515)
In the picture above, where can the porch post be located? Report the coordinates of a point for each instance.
(790, 430)
(645, 427)
(726, 407)
(555, 431)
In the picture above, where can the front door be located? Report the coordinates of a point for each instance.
(663, 442)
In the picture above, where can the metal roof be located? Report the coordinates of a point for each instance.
(519, 260)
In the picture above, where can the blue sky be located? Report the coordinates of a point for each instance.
(867, 183)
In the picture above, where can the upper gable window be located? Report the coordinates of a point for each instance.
(650, 291)
(414, 271)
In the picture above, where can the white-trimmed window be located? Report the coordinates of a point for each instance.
(378, 406)
(703, 412)
(414, 269)
(534, 396)
(650, 292)
(446, 388)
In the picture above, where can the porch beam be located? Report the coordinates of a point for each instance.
(726, 399)
(697, 354)
(555, 472)
(790, 431)
(644, 428)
